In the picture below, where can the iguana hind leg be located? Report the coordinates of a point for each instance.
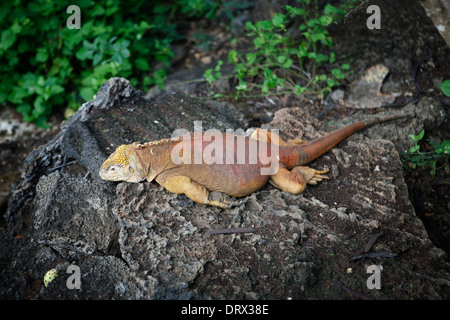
(295, 181)
(197, 192)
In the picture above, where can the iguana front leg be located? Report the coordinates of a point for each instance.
(295, 180)
(197, 192)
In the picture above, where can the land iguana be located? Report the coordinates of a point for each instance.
(236, 171)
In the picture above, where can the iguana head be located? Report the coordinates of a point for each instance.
(122, 165)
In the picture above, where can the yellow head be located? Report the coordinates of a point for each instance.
(122, 165)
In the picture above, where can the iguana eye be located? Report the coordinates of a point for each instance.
(131, 169)
(112, 169)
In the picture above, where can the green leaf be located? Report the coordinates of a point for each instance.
(111, 10)
(258, 42)
(332, 57)
(159, 76)
(56, 89)
(142, 64)
(414, 148)
(281, 59)
(125, 52)
(16, 27)
(233, 56)
(433, 167)
(92, 46)
(446, 145)
(97, 59)
(418, 137)
(331, 83)
(24, 110)
(117, 58)
(41, 121)
(288, 63)
(209, 76)
(421, 134)
(278, 20)
(299, 89)
(7, 40)
(39, 107)
(320, 58)
(338, 73)
(312, 22)
(251, 58)
(295, 11)
(325, 20)
(87, 93)
(445, 87)
(241, 86)
(41, 81)
(17, 94)
(265, 25)
(218, 66)
(250, 26)
(241, 70)
(331, 10)
(268, 73)
(318, 36)
(41, 55)
(97, 10)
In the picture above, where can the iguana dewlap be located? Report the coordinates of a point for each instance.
(236, 170)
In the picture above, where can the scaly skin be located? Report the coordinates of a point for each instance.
(237, 170)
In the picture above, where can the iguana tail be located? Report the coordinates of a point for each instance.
(311, 150)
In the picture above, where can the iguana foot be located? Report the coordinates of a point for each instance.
(295, 181)
(311, 175)
(222, 200)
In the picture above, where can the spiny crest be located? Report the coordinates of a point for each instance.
(157, 142)
(140, 146)
(118, 157)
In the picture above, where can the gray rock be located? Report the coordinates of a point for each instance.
(139, 241)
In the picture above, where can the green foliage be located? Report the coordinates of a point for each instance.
(212, 75)
(199, 8)
(277, 63)
(445, 87)
(44, 64)
(440, 151)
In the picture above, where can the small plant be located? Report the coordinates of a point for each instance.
(439, 151)
(278, 64)
(212, 75)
